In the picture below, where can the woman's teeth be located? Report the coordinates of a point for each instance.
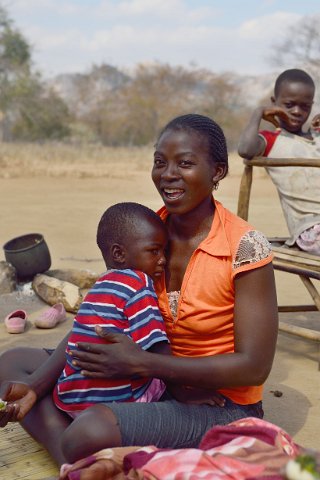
(173, 192)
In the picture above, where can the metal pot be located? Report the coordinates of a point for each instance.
(29, 254)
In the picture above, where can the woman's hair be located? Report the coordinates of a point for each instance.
(293, 75)
(120, 221)
(207, 128)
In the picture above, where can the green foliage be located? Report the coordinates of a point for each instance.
(42, 116)
(28, 111)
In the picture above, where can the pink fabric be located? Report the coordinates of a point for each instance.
(247, 449)
(153, 392)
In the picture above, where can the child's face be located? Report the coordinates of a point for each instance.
(296, 99)
(146, 249)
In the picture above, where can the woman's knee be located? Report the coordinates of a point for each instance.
(96, 428)
(18, 362)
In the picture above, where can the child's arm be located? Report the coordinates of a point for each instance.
(251, 144)
(315, 123)
(21, 396)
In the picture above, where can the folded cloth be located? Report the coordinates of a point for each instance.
(247, 449)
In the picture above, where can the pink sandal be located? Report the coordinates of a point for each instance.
(15, 322)
(51, 317)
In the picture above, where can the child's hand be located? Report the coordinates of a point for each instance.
(315, 123)
(270, 114)
(19, 398)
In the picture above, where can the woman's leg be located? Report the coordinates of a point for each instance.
(94, 429)
(45, 423)
(166, 424)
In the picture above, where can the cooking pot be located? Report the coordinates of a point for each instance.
(29, 254)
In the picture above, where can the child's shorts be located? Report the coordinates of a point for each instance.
(309, 240)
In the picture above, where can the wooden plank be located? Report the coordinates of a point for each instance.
(297, 308)
(303, 332)
(306, 258)
(244, 193)
(283, 162)
(298, 269)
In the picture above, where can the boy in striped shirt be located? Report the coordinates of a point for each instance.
(132, 239)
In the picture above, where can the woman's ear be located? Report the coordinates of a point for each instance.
(118, 253)
(219, 173)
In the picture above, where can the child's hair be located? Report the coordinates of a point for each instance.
(207, 128)
(294, 75)
(120, 221)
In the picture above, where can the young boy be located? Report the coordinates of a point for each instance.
(132, 239)
(298, 188)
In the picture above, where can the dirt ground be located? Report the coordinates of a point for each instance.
(66, 211)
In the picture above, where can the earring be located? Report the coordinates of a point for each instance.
(215, 185)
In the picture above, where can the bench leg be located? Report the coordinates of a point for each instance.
(312, 290)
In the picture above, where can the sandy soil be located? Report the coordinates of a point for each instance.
(66, 211)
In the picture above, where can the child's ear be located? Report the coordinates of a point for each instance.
(118, 253)
(273, 100)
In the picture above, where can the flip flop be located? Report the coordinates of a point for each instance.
(51, 317)
(15, 322)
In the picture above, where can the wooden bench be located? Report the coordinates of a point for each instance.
(286, 259)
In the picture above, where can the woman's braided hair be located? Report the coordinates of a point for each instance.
(207, 128)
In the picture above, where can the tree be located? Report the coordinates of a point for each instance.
(27, 110)
(134, 112)
(299, 46)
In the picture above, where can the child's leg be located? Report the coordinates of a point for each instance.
(94, 429)
(45, 423)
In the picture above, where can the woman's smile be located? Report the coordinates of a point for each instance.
(172, 194)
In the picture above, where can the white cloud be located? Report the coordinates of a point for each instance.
(73, 34)
(267, 26)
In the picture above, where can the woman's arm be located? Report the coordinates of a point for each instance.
(256, 327)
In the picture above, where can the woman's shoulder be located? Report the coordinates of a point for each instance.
(247, 244)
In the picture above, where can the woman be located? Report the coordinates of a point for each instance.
(218, 300)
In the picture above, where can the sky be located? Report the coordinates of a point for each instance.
(69, 36)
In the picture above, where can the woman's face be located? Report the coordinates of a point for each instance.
(182, 171)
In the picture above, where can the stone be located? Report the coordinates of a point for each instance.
(84, 279)
(53, 290)
(8, 278)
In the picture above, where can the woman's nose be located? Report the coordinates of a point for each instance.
(171, 171)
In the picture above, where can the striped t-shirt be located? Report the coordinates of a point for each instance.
(121, 301)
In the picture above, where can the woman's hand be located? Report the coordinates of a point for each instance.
(119, 358)
(198, 396)
(20, 398)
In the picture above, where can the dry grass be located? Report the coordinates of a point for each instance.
(81, 161)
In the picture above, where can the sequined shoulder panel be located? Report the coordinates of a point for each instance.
(253, 247)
